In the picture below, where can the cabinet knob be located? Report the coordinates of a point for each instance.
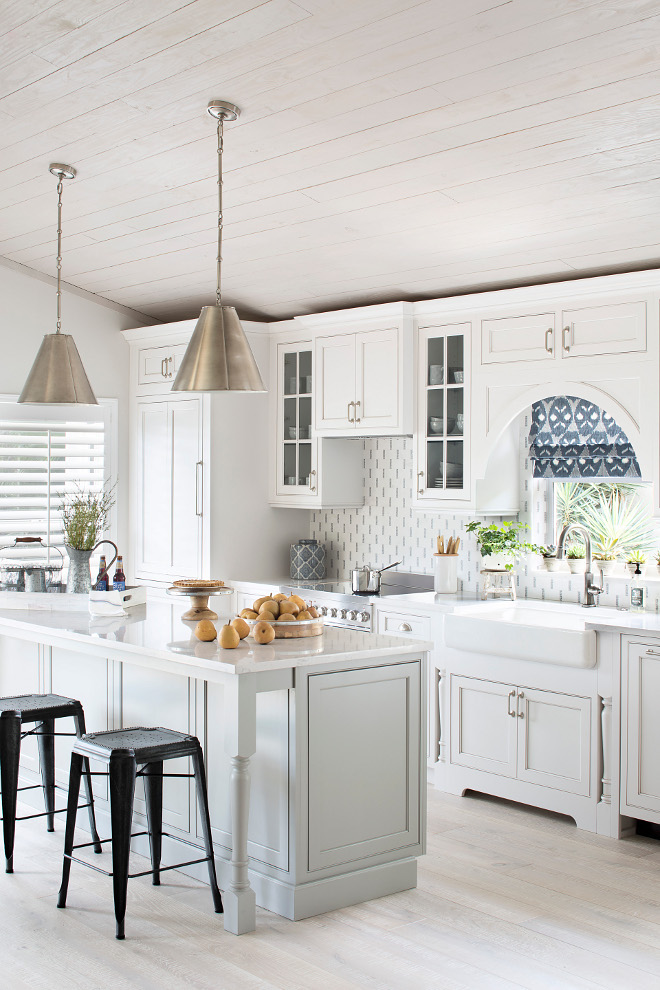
(405, 627)
(364, 616)
(352, 615)
(333, 613)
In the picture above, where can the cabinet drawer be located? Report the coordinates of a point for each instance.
(158, 365)
(404, 624)
(617, 329)
(518, 338)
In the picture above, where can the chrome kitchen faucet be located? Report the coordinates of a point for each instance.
(591, 590)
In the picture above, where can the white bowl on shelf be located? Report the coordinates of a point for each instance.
(436, 424)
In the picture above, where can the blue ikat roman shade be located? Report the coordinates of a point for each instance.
(573, 438)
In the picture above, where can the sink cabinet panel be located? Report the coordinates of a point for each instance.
(640, 731)
(483, 735)
(553, 740)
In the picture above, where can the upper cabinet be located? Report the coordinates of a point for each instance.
(363, 381)
(617, 328)
(159, 365)
(443, 426)
(309, 471)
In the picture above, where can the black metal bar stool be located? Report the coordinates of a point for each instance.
(42, 709)
(124, 750)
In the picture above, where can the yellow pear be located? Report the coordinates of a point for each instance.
(248, 613)
(205, 630)
(289, 606)
(287, 617)
(279, 597)
(297, 600)
(312, 612)
(263, 632)
(241, 627)
(271, 606)
(266, 616)
(229, 638)
(256, 605)
(303, 616)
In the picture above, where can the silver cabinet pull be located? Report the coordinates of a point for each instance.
(163, 367)
(420, 488)
(521, 695)
(511, 695)
(199, 488)
(564, 338)
(357, 418)
(312, 487)
(170, 361)
(652, 653)
(548, 340)
(348, 412)
(405, 627)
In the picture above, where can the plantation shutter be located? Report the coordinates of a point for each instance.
(41, 460)
(573, 438)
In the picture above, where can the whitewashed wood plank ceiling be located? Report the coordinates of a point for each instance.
(386, 149)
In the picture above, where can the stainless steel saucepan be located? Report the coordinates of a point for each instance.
(366, 580)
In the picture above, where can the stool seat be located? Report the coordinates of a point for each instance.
(143, 743)
(36, 706)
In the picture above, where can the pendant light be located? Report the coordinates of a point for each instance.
(218, 357)
(57, 374)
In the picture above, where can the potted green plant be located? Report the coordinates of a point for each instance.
(501, 545)
(550, 561)
(576, 558)
(635, 558)
(604, 556)
(84, 517)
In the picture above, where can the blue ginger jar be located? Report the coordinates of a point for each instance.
(307, 561)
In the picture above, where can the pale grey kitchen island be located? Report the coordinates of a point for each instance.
(315, 748)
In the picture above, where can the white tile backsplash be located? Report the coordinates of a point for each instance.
(387, 528)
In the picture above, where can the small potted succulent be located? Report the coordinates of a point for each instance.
(576, 558)
(549, 556)
(635, 558)
(604, 556)
(501, 545)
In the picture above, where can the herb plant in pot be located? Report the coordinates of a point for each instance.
(84, 517)
(501, 545)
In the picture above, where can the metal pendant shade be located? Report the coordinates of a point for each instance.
(57, 375)
(218, 357)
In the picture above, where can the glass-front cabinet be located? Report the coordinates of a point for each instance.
(297, 454)
(443, 416)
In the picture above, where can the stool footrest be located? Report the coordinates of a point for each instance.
(42, 814)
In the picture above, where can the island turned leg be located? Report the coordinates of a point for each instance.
(240, 744)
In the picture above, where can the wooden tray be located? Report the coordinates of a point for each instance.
(292, 630)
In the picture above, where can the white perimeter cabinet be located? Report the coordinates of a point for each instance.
(360, 387)
(541, 737)
(170, 495)
(640, 730)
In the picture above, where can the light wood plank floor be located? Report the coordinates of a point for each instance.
(508, 897)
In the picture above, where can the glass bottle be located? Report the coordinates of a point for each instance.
(102, 576)
(637, 592)
(119, 580)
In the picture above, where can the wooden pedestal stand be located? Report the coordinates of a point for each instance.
(199, 598)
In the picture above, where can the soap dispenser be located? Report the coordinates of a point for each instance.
(637, 591)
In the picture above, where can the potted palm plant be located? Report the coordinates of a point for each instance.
(84, 517)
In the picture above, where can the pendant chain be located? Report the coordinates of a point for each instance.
(60, 186)
(218, 295)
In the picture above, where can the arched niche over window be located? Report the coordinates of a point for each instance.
(571, 437)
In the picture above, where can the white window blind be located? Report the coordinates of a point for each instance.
(41, 460)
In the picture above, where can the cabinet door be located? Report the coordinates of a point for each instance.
(640, 738)
(159, 365)
(443, 427)
(153, 490)
(377, 396)
(554, 734)
(169, 478)
(483, 725)
(296, 460)
(518, 338)
(364, 763)
(186, 486)
(334, 383)
(616, 329)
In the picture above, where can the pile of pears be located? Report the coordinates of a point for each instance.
(270, 608)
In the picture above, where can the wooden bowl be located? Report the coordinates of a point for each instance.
(291, 630)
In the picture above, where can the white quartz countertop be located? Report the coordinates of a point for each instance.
(158, 632)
